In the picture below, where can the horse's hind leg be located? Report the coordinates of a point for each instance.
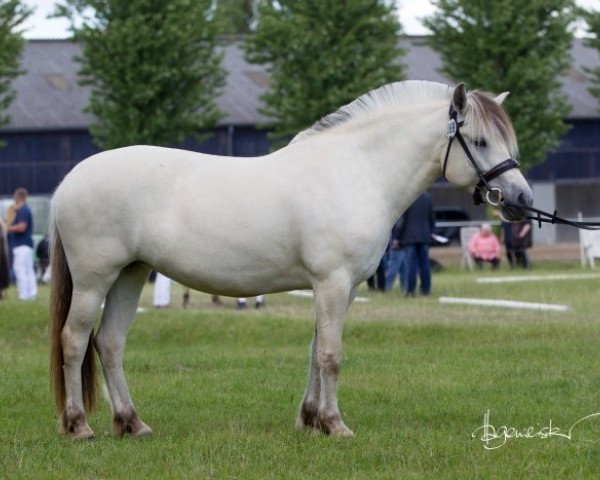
(119, 310)
(74, 338)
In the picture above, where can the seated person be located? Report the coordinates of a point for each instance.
(485, 247)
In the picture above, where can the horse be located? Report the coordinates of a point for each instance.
(315, 214)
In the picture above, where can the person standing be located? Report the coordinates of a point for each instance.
(22, 247)
(4, 268)
(521, 240)
(396, 257)
(414, 236)
(162, 291)
(377, 280)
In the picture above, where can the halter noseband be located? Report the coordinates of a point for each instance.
(452, 132)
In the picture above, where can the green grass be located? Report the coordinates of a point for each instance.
(221, 388)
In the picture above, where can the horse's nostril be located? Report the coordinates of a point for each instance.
(523, 201)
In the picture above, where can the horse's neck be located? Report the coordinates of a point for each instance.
(404, 154)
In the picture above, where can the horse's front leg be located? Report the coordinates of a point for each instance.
(332, 298)
(310, 403)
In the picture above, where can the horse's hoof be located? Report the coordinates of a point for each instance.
(130, 423)
(341, 431)
(141, 430)
(83, 433)
(334, 426)
(74, 424)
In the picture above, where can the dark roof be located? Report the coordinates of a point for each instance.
(49, 97)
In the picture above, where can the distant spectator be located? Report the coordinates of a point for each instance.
(216, 300)
(414, 237)
(377, 280)
(521, 241)
(4, 261)
(43, 254)
(506, 237)
(162, 291)
(242, 302)
(22, 247)
(485, 247)
(396, 260)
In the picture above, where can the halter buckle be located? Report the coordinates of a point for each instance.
(490, 194)
(451, 128)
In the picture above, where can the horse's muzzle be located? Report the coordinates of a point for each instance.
(512, 211)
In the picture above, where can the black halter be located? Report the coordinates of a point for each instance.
(452, 132)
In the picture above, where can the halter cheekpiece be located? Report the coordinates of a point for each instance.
(493, 195)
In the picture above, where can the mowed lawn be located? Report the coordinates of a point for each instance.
(221, 388)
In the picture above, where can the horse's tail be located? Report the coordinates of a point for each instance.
(61, 291)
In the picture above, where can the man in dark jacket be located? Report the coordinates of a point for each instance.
(414, 236)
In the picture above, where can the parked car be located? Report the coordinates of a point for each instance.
(449, 214)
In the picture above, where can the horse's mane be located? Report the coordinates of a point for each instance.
(484, 112)
(397, 94)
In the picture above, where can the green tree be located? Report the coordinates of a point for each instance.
(592, 18)
(519, 45)
(152, 66)
(322, 54)
(12, 14)
(234, 17)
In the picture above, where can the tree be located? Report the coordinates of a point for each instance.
(592, 18)
(12, 14)
(519, 45)
(234, 17)
(322, 54)
(152, 66)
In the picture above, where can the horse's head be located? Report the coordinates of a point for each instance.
(480, 150)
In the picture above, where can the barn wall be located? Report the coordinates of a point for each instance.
(39, 160)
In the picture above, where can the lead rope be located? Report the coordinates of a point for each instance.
(553, 218)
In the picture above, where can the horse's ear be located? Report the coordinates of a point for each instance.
(459, 98)
(500, 98)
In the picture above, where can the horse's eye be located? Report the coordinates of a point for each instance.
(480, 142)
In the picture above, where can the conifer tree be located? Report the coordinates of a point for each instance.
(234, 17)
(592, 18)
(152, 66)
(322, 54)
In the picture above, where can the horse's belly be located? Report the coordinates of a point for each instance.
(240, 284)
(231, 272)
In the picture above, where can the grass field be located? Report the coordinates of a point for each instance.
(221, 388)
